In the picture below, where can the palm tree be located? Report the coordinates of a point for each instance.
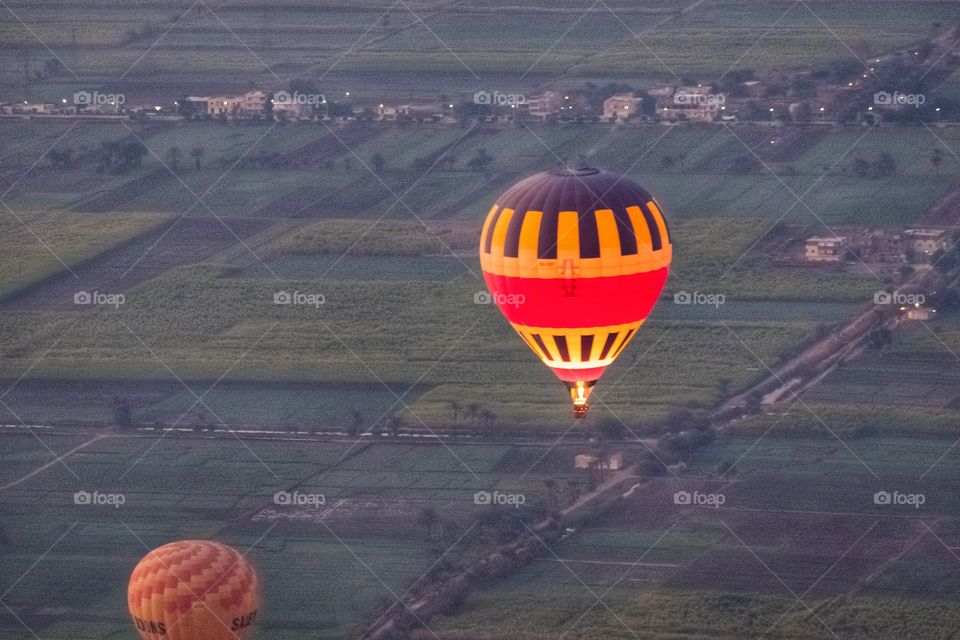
(936, 159)
(473, 409)
(197, 154)
(173, 157)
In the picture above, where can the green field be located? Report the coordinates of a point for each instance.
(787, 529)
(171, 44)
(324, 575)
(38, 245)
(308, 170)
(400, 315)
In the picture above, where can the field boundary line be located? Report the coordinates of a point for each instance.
(57, 460)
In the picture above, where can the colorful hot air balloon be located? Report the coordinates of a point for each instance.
(194, 590)
(576, 259)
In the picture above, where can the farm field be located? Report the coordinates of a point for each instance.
(227, 318)
(800, 175)
(453, 350)
(152, 45)
(39, 245)
(786, 529)
(908, 387)
(222, 488)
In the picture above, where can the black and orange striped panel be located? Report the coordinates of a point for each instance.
(598, 223)
(579, 348)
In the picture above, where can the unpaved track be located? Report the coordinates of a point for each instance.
(58, 460)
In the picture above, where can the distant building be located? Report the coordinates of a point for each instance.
(825, 249)
(922, 244)
(755, 88)
(224, 105)
(254, 103)
(877, 246)
(422, 111)
(34, 107)
(921, 313)
(198, 105)
(693, 104)
(543, 106)
(621, 107)
(661, 91)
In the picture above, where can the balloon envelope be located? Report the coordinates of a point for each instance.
(194, 590)
(576, 259)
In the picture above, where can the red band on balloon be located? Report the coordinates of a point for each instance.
(577, 302)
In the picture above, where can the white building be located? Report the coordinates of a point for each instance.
(825, 249)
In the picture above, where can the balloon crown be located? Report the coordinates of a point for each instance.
(575, 171)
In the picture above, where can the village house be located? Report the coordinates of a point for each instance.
(921, 244)
(543, 106)
(224, 105)
(621, 107)
(692, 104)
(254, 103)
(877, 246)
(414, 111)
(825, 249)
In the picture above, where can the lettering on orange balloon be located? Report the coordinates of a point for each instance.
(194, 590)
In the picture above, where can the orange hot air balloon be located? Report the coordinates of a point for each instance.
(576, 259)
(194, 590)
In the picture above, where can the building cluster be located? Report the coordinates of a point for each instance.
(916, 246)
(774, 98)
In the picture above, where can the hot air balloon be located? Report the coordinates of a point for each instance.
(575, 259)
(194, 590)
